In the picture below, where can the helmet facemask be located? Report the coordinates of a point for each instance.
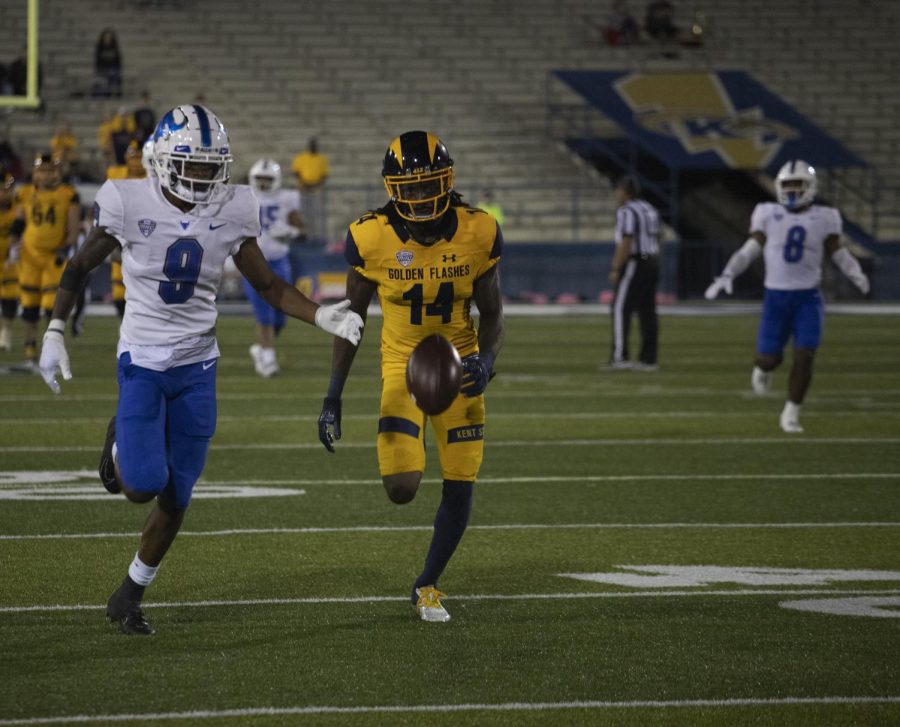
(191, 154)
(190, 179)
(265, 176)
(421, 197)
(796, 185)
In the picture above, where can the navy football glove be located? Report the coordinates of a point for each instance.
(330, 422)
(477, 371)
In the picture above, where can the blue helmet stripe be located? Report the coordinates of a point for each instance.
(205, 132)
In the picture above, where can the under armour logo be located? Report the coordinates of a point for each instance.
(448, 258)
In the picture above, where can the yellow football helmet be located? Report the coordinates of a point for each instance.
(418, 176)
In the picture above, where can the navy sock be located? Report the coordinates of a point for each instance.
(449, 526)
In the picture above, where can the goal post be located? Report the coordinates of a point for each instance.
(31, 99)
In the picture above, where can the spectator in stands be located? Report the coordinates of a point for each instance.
(492, 207)
(10, 162)
(64, 147)
(311, 168)
(659, 21)
(122, 131)
(17, 76)
(144, 119)
(621, 28)
(107, 65)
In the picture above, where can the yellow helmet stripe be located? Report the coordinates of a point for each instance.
(398, 151)
(432, 145)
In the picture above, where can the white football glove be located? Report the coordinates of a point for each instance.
(722, 282)
(338, 320)
(54, 357)
(282, 230)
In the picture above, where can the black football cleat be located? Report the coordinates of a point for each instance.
(132, 622)
(128, 615)
(107, 467)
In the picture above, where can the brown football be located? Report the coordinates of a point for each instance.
(434, 374)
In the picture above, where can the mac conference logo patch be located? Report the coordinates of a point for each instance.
(404, 257)
(146, 227)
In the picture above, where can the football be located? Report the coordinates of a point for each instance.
(434, 374)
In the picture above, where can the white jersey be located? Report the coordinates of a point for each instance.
(795, 243)
(274, 208)
(172, 264)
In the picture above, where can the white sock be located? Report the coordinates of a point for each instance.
(267, 355)
(140, 572)
(791, 410)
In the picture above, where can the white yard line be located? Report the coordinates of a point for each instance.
(500, 390)
(560, 596)
(428, 528)
(452, 708)
(17, 480)
(863, 411)
(657, 442)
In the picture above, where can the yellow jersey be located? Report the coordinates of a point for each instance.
(424, 289)
(311, 168)
(7, 217)
(45, 215)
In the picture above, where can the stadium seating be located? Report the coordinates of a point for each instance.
(355, 73)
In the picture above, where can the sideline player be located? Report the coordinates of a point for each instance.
(793, 235)
(428, 256)
(175, 233)
(9, 266)
(48, 223)
(280, 220)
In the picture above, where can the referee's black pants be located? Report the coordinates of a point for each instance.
(636, 291)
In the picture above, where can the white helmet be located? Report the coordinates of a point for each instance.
(800, 180)
(188, 135)
(265, 169)
(147, 158)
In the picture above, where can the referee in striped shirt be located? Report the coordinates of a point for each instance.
(634, 275)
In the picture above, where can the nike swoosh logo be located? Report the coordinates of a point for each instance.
(216, 227)
(209, 364)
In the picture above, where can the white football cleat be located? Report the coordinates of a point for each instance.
(620, 365)
(256, 357)
(429, 605)
(269, 363)
(761, 381)
(790, 418)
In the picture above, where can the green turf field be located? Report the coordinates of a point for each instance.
(288, 604)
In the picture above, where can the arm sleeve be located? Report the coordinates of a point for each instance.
(741, 260)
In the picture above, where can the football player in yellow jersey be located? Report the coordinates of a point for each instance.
(47, 224)
(428, 256)
(9, 267)
(133, 168)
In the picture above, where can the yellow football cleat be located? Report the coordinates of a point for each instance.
(429, 605)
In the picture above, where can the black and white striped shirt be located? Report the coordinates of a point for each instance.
(640, 220)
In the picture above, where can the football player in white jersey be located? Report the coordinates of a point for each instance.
(175, 231)
(280, 220)
(793, 235)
